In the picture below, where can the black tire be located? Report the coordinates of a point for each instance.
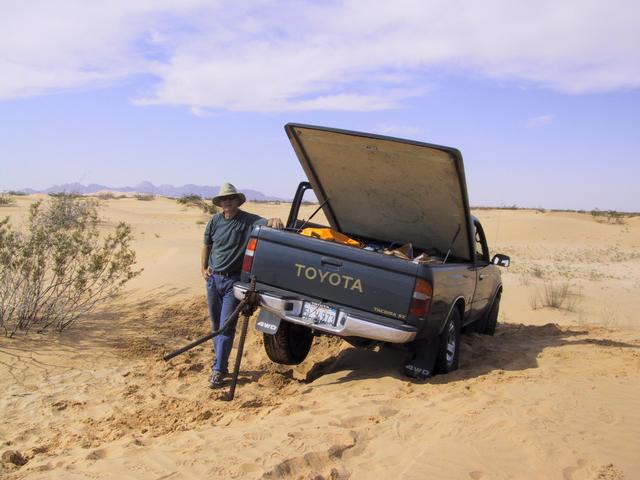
(486, 325)
(290, 345)
(491, 320)
(449, 344)
(477, 326)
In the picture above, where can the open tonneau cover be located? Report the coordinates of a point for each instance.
(386, 188)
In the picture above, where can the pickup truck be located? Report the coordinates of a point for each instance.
(383, 192)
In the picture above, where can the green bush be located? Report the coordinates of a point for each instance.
(60, 268)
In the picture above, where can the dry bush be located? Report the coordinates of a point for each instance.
(537, 271)
(535, 301)
(610, 216)
(615, 217)
(6, 200)
(144, 197)
(524, 280)
(555, 295)
(60, 268)
(65, 194)
(189, 199)
(106, 196)
(197, 201)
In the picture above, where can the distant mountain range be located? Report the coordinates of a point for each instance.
(148, 187)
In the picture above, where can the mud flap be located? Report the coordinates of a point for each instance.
(267, 322)
(421, 360)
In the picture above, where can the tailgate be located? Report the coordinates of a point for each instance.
(334, 273)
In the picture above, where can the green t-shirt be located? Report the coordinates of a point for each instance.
(228, 239)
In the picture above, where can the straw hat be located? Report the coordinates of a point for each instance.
(227, 189)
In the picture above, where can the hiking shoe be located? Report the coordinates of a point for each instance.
(216, 379)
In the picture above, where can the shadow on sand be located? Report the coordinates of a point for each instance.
(112, 325)
(514, 347)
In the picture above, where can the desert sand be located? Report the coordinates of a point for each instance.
(554, 394)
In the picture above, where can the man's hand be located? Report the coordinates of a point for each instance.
(275, 223)
(206, 272)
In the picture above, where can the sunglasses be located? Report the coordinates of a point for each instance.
(227, 197)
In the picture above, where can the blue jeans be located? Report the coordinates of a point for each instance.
(221, 304)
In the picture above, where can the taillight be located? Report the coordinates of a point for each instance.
(421, 298)
(248, 255)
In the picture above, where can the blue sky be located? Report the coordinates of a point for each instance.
(543, 100)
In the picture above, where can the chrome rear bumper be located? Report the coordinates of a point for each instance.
(348, 325)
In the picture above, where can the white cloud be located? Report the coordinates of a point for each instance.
(350, 55)
(540, 121)
(396, 130)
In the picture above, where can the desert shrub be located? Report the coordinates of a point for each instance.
(537, 271)
(65, 194)
(189, 199)
(6, 200)
(615, 217)
(555, 295)
(60, 268)
(524, 279)
(197, 201)
(16, 193)
(208, 207)
(106, 196)
(610, 216)
(145, 197)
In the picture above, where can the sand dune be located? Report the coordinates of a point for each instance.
(552, 395)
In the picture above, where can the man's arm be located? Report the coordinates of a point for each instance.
(204, 261)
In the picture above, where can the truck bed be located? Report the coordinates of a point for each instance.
(328, 272)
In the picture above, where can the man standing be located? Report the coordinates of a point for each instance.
(225, 240)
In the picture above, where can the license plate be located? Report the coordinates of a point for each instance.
(319, 314)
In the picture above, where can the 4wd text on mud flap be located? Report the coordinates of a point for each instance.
(268, 326)
(332, 278)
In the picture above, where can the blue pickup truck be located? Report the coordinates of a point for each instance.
(384, 193)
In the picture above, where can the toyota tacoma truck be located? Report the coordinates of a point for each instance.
(383, 193)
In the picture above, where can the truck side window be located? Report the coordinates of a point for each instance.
(481, 252)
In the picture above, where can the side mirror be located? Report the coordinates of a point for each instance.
(501, 260)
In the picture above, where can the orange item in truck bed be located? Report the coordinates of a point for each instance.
(331, 235)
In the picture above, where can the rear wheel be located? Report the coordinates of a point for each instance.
(491, 320)
(449, 345)
(486, 325)
(290, 345)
